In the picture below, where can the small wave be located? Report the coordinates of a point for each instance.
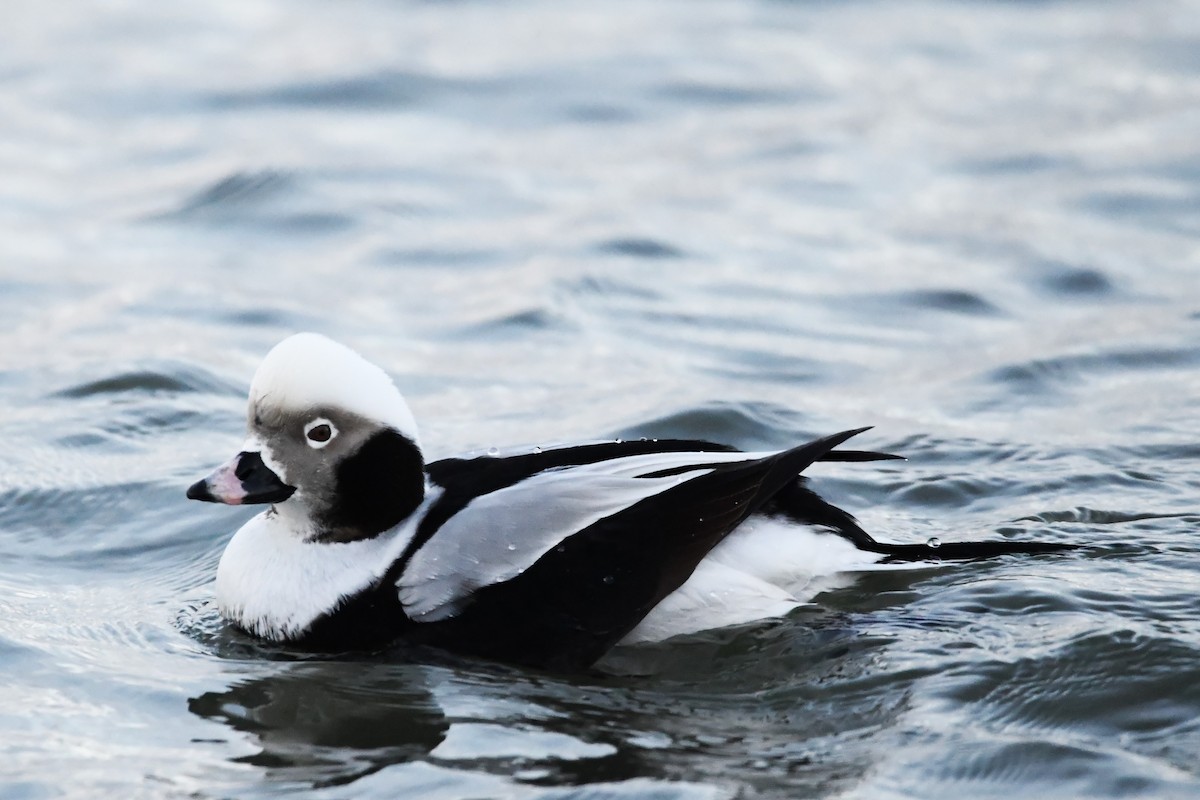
(386, 89)
(639, 247)
(239, 188)
(269, 199)
(1081, 282)
(440, 256)
(1106, 683)
(1174, 212)
(952, 301)
(692, 93)
(511, 325)
(1050, 375)
(1039, 767)
(608, 286)
(153, 378)
(1094, 516)
(957, 301)
(1016, 164)
(747, 425)
(947, 491)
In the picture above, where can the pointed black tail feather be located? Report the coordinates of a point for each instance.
(858, 455)
(801, 504)
(786, 466)
(964, 551)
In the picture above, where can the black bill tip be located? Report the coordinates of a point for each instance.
(199, 491)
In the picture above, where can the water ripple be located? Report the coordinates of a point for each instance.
(389, 89)
(639, 248)
(239, 188)
(1050, 375)
(972, 224)
(166, 378)
(1105, 684)
(1070, 281)
(748, 425)
(261, 201)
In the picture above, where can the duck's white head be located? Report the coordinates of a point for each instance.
(331, 443)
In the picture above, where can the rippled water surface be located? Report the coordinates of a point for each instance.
(974, 225)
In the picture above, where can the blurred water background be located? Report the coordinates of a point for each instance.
(974, 225)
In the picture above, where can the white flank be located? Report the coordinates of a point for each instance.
(764, 569)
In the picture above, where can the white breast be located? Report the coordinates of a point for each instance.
(274, 584)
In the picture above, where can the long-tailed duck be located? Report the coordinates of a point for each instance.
(544, 557)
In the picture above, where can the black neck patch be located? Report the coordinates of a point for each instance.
(376, 488)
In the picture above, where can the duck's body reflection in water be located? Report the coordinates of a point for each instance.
(326, 723)
(323, 722)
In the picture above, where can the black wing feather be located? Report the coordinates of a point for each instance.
(584, 595)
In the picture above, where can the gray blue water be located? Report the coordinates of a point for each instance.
(973, 225)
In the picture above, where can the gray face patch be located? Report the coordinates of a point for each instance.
(311, 470)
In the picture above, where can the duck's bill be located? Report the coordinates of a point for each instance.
(242, 480)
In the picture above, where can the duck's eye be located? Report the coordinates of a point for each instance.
(319, 432)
